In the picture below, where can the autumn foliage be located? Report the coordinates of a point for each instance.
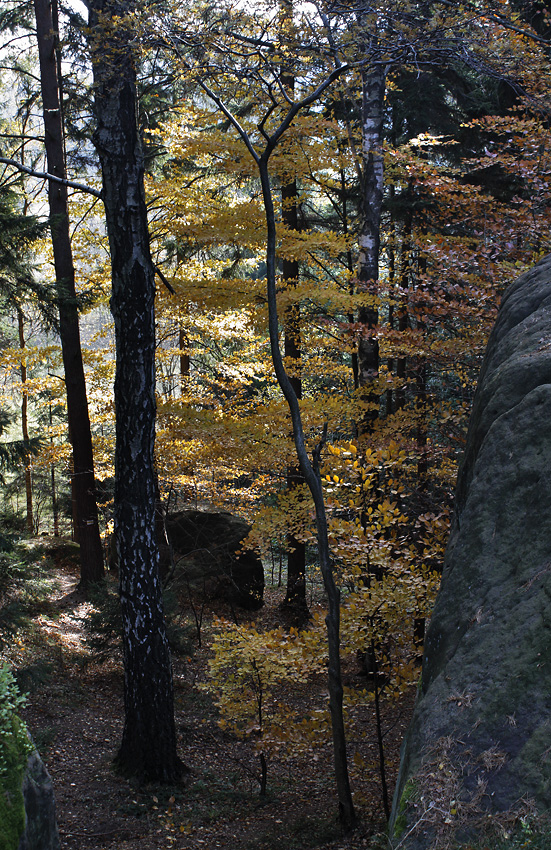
(465, 209)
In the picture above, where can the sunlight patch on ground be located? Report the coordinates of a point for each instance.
(66, 629)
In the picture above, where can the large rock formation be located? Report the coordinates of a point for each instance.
(479, 744)
(207, 550)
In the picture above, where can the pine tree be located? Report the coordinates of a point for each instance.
(83, 482)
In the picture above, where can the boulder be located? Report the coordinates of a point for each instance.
(27, 804)
(207, 552)
(40, 831)
(479, 744)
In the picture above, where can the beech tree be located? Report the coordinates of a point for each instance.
(295, 598)
(283, 107)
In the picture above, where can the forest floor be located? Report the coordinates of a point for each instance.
(75, 715)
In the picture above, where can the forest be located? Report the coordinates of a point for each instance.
(250, 257)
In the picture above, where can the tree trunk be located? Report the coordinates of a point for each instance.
(185, 363)
(295, 598)
(312, 477)
(350, 267)
(310, 470)
(403, 316)
(373, 91)
(25, 421)
(82, 481)
(391, 262)
(148, 748)
(55, 506)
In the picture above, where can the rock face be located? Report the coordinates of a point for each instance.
(205, 544)
(38, 795)
(480, 739)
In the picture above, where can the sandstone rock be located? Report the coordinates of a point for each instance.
(480, 739)
(207, 552)
(40, 820)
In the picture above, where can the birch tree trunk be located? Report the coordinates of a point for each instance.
(148, 748)
(373, 92)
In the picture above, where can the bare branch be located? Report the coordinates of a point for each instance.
(44, 175)
(164, 280)
(232, 119)
(299, 105)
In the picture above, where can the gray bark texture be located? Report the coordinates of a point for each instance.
(478, 746)
(148, 748)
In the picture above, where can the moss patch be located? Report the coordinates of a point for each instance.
(15, 747)
(12, 807)
(401, 818)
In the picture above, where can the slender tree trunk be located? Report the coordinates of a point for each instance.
(310, 470)
(82, 481)
(25, 421)
(312, 477)
(391, 259)
(24, 393)
(350, 267)
(403, 316)
(183, 345)
(55, 507)
(373, 91)
(295, 597)
(148, 748)
(421, 398)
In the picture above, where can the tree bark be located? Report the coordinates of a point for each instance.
(295, 598)
(312, 477)
(55, 506)
(148, 748)
(82, 480)
(373, 91)
(185, 363)
(25, 422)
(403, 317)
(350, 267)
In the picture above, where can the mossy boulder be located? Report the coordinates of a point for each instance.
(12, 803)
(479, 744)
(40, 827)
(27, 808)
